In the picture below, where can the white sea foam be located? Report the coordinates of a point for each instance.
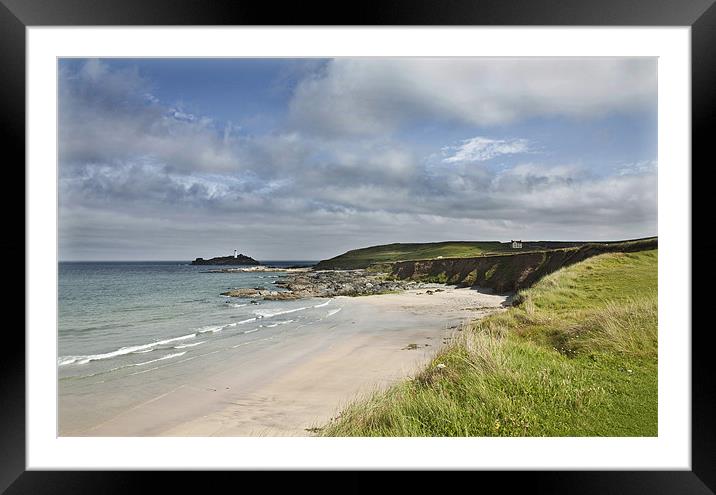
(145, 348)
(279, 323)
(238, 305)
(65, 360)
(210, 328)
(266, 314)
(152, 346)
(333, 311)
(252, 331)
(243, 322)
(184, 346)
(168, 356)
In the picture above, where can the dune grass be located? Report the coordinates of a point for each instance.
(576, 357)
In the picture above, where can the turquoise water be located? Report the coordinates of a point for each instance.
(121, 317)
(130, 332)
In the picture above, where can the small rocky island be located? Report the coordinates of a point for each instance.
(236, 259)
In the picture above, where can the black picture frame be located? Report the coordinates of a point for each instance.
(700, 15)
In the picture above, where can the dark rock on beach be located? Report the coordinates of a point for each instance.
(331, 283)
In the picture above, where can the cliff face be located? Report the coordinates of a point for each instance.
(505, 273)
(226, 260)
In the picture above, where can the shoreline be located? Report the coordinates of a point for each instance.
(298, 382)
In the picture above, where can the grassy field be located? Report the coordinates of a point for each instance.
(361, 258)
(388, 253)
(576, 357)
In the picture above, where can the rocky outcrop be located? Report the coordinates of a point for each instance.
(509, 272)
(226, 260)
(261, 293)
(260, 268)
(301, 285)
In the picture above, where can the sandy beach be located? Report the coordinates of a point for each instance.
(292, 384)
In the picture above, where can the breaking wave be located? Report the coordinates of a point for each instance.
(65, 360)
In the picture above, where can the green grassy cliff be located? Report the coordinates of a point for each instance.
(397, 252)
(362, 258)
(510, 271)
(576, 357)
(388, 253)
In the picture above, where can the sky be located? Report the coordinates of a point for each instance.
(303, 159)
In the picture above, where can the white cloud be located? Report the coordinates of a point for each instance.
(480, 149)
(374, 96)
(638, 168)
(108, 115)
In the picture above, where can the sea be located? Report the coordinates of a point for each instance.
(124, 326)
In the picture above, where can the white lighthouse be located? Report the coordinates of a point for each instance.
(235, 255)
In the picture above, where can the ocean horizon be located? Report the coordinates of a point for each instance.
(274, 263)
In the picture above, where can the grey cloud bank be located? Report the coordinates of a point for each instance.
(142, 178)
(370, 96)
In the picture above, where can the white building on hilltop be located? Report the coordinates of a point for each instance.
(516, 244)
(235, 254)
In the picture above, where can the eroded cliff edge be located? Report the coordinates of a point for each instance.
(505, 272)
